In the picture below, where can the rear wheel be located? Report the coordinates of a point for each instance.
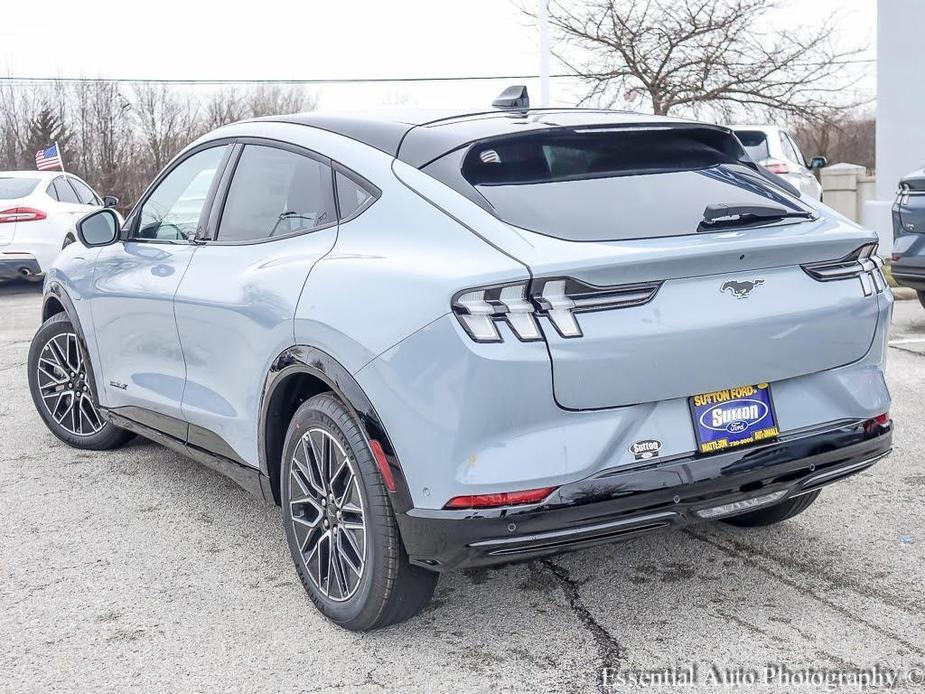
(62, 388)
(921, 296)
(774, 514)
(339, 523)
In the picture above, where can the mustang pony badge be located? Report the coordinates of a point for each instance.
(740, 290)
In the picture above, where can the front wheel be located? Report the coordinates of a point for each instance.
(921, 296)
(61, 384)
(339, 523)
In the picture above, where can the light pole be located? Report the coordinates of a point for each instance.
(542, 17)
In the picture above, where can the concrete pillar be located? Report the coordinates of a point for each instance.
(840, 188)
(900, 105)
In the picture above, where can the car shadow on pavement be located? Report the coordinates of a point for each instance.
(18, 288)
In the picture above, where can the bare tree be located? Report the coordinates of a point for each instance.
(677, 55)
(274, 100)
(166, 121)
(850, 138)
(118, 138)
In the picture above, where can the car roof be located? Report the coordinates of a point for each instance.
(418, 136)
(765, 128)
(41, 175)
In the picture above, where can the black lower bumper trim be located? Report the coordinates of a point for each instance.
(12, 267)
(622, 503)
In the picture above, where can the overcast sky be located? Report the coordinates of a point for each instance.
(312, 39)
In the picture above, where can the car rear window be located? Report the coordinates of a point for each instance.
(12, 188)
(613, 184)
(755, 143)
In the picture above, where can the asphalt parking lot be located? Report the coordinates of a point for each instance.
(137, 570)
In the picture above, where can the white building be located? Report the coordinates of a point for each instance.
(900, 106)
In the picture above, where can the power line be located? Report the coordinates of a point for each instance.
(356, 80)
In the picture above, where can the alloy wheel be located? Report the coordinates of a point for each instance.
(327, 514)
(65, 386)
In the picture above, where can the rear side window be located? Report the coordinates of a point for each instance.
(12, 188)
(64, 191)
(86, 196)
(351, 196)
(274, 193)
(610, 184)
(755, 143)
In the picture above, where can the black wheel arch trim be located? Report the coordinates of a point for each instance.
(55, 292)
(304, 359)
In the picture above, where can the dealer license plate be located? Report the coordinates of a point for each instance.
(733, 417)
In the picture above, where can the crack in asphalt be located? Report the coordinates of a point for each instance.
(907, 350)
(831, 604)
(609, 649)
(839, 581)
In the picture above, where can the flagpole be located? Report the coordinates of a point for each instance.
(60, 156)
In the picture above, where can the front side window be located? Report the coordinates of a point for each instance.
(172, 211)
(274, 193)
(797, 151)
(64, 191)
(86, 196)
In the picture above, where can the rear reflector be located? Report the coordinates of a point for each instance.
(383, 464)
(530, 496)
(744, 505)
(873, 425)
(21, 214)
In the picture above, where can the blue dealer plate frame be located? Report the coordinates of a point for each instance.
(733, 417)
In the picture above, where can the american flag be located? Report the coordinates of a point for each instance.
(48, 159)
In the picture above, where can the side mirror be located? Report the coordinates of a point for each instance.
(110, 201)
(818, 163)
(99, 228)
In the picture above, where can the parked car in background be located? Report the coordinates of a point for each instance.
(908, 264)
(38, 210)
(774, 149)
(448, 339)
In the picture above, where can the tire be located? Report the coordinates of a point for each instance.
(921, 296)
(387, 589)
(774, 514)
(75, 395)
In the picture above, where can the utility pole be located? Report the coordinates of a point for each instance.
(542, 17)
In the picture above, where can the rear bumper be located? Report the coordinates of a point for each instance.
(12, 267)
(910, 275)
(618, 504)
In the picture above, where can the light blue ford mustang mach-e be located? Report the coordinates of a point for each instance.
(454, 339)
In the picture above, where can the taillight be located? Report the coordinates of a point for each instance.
(559, 299)
(530, 496)
(863, 264)
(21, 214)
(895, 257)
(776, 166)
(479, 309)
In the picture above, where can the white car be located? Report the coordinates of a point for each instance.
(38, 210)
(774, 149)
